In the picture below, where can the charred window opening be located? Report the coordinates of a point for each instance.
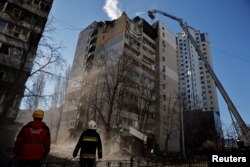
(2, 25)
(44, 6)
(94, 33)
(39, 4)
(17, 32)
(91, 49)
(2, 4)
(4, 49)
(16, 13)
(1, 75)
(24, 15)
(93, 41)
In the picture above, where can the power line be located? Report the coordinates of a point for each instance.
(67, 78)
(60, 76)
(237, 55)
(67, 25)
(243, 58)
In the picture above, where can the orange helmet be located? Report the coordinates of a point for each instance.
(38, 113)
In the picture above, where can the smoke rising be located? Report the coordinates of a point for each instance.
(112, 9)
(139, 13)
(111, 149)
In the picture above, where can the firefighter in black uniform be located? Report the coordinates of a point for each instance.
(89, 141)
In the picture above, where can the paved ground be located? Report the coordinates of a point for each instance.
(61, 156)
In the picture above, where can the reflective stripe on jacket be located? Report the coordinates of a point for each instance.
(89, 142)
(90, 138)
(87, 156)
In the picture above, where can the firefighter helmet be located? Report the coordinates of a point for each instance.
(92, 125)
(38, 113)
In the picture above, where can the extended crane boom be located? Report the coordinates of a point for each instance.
(244, 129)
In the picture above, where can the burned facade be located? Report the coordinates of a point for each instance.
(21, 26)
(124, 75)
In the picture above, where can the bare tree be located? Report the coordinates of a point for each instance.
(172, 121)
(48, 60)
(53, 115)
(110, 84)
(45, 58)
(145, 101)
(36, 92)
(60, 89)
(230, 135)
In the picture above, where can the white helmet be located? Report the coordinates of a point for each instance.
(92, 125)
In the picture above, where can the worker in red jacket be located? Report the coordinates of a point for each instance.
(33, 142)
(89, 142)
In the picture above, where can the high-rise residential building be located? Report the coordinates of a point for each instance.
(21, 26)
(124, 75)
(197, 88)
(197, 92)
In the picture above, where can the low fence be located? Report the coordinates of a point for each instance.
(133, 162)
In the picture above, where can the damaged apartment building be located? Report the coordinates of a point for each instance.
(21, 26)
(124, 75)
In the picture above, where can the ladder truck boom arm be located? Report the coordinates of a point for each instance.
(244, 129)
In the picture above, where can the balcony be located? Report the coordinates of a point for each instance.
(132, 45)
(94, 33)
(11, 41)
(91, 48)
(14, 62)
(26, 19)
(93, 41)
(40, 8)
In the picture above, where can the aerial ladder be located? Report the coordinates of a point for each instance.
(245, 131)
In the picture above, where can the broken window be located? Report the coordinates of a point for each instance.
(2, 4)
(44, 6)
(15, 52)
(36, 20)
(36, 2)
(2, 25)
(33, 2)
(91, 49)
(9, 29)
(164, 97)
(25, 16)
(30, 2)
(17, 31)
(24, 34)
(93, 40)
(1, 75)
(4, 49)
(16, 13)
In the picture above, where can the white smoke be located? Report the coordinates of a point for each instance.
(139, 13)
(112, 9)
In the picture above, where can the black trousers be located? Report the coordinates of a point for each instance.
(87, 162)
(29, 163)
